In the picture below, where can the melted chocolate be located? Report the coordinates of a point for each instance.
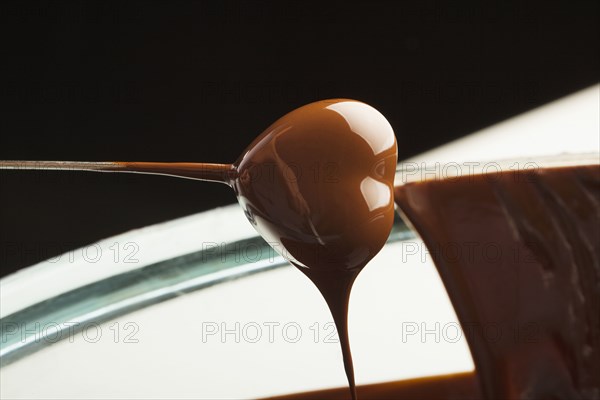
(446, 387)
(318, 186)
(519, 254)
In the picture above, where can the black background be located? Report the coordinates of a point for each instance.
(197, 81)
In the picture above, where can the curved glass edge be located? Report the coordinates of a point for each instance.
(411, 171)
(64, 315)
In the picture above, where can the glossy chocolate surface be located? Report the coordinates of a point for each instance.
(318, 186)
(519, 254)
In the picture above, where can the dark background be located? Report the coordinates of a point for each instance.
(197, 81)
